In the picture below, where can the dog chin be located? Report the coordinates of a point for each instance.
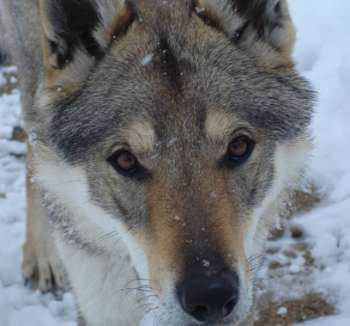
(186, 322)
(171, 314)
(183, 320)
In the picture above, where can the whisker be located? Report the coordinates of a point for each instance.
(107, 236)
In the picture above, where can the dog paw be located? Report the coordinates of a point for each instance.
(42, 269)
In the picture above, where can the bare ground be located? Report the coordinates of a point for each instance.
(311, 306)
(10, 85)
(277, 309)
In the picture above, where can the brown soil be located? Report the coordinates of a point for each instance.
(9, 86)
(311, 306)
(303, 201)
(299, 202)
(19, 134)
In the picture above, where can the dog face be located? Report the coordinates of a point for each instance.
(178, 129)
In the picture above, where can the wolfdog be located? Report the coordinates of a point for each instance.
(163, 137)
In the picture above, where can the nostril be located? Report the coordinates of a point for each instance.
(228, 308)
(201, 310)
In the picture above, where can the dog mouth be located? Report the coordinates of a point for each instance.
(228, 322)
(173, 314)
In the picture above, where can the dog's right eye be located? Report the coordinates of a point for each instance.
(126, 164)
(239, 150)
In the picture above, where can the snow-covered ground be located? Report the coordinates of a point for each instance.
(19, 306)
(323, 56)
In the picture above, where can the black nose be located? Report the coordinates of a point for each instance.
(209, 299)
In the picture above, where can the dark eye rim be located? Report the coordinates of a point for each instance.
(233, 161)
(137, 171)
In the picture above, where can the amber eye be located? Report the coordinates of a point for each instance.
(125, 163)
(240, 149)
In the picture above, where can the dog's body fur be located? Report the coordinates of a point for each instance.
(173, 82)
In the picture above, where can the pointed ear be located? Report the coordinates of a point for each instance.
(77, 33)
(263, 27)
(271, 21)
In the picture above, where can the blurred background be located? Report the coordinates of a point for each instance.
(306, 277)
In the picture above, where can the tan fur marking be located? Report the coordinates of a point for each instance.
(220, 124)
(50, 60)
(141, 137)
(217, 15)
(174, 227)
(210, 17)
(225, 216)
(165, 231)
(123, 21)
(28, 247)
(114, 22)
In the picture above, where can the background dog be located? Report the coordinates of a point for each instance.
(163, 136)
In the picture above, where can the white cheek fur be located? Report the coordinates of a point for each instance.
(73, 192)
(288, 164)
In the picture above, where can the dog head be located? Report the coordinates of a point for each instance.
(179, 123)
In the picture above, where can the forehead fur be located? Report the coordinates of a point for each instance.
(193, 70)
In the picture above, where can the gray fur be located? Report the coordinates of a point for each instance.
(196, 68)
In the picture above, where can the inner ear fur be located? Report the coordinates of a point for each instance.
(77, 33)
(263, 27)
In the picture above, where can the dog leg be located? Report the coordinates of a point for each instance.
(41, 266)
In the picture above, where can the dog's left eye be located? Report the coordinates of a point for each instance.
(126, 163)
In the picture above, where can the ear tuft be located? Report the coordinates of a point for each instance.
(69, 25)
(256, 25)
(76, 34)
(271, 21)
(81, 26)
